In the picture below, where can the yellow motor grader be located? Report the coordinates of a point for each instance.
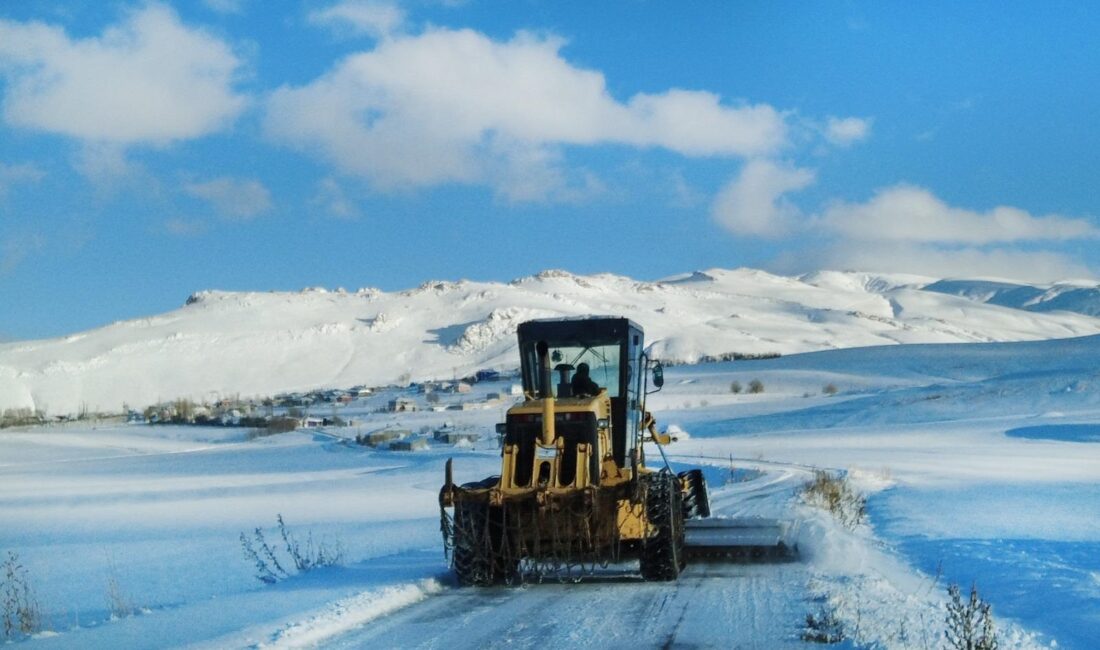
(574, 490)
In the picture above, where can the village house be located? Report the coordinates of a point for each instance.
(415, 444)
(453, 436)
(403, 404)
(428, 387)
(450, 435)
(382, 436)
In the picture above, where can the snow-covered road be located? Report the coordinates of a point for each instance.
(712, 605)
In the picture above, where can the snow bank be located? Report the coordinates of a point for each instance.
(878, 599)
(345, 615)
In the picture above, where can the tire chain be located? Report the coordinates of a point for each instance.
(571, 550)
(662, 553)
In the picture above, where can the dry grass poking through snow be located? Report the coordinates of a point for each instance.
(823, 627)
(305, 558)
(119, 603)
(20, 611)
(835, 494)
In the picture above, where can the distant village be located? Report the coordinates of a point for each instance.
(325, 408)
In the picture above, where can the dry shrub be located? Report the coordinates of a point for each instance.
(305, 557)
(835, 494)
(20, 611)
(822, 628)
(969, 622)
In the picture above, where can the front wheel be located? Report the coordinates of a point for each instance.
(663, 549)
(482, 553)
(471, 557)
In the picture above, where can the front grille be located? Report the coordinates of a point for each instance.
(524, 430)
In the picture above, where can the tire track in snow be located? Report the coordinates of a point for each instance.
(711, 606)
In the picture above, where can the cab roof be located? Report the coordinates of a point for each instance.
(599, 327)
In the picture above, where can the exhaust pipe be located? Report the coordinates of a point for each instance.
(547, 439)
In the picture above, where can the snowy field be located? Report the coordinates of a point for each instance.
(981, 463)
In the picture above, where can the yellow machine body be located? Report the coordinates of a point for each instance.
(573, 490)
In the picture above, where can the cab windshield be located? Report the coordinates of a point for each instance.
(602, 360)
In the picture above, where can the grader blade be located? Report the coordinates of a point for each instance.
(747, 539)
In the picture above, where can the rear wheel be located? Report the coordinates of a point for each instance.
(696, 500)
(663, 550)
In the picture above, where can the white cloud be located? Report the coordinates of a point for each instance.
(898, 257)
(149, 79)
(18, 174)
(846, 131)
(375, 18)
(226, 6)
(234, 198)
(106, 166)
(16, 248)
(902, 229)
(683, 194)
(184, 227)
(695, 123)
(523, 172)
(753, 203)
(331, 198)
(913, 214)
(436, 108)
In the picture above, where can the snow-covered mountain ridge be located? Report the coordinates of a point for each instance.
(1065, 296)
(254, 343)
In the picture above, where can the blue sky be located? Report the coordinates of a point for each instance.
(152, 149)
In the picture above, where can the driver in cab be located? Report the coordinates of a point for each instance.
(582, 383)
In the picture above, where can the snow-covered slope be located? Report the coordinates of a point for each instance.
(223, 343)
(1080, 297)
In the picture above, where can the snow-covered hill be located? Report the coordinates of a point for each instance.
(1083, 298)
(223, 343)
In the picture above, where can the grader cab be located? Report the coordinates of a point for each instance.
(574, 490)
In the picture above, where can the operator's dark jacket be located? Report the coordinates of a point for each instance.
(582, 383)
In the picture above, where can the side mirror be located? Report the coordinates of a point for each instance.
(658, 375)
